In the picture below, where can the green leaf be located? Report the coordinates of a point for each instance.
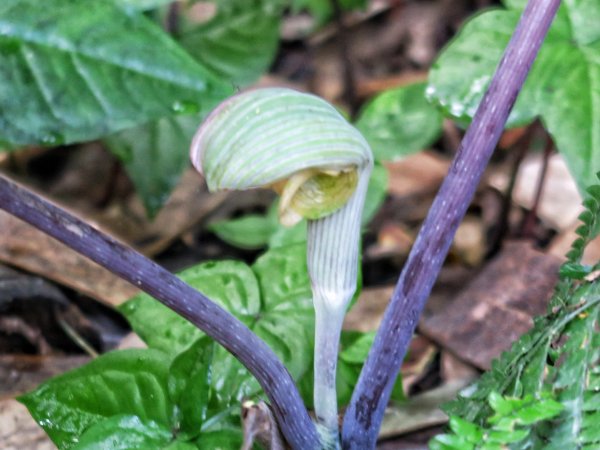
(75, 70)
(273, 298)
(231, 284)
(250, 232)
(122, 432)
(284, 236)
(466, 430)
(323, 10)
(574, 271)
(561, 87)
(287, 319)
(123, 383)
(399, 122)
(180, 445)
(142, 5)
(240, 42)
(221, 440)
(376, 192)
(356, 346)
(155, 155)
(255, 231)
(189, 385)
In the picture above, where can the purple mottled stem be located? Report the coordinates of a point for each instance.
(365, 413)
(130, 265)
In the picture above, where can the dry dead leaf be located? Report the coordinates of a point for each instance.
(560, 204)
(419, 412)
(19, 431)
(24, 246)
(419, 357)
(417, 174)
(469, 243)
(452, 368)
(497, 307)
(367, 313)
(260, 425)
(21, 373)
(392, 240)
(562, 244)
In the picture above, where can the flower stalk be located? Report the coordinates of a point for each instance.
(371, 395)
(304, 149)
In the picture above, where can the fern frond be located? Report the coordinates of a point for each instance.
(560, 355)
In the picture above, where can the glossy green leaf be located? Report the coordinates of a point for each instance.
(255, 231)
(122, 432)
(561, 88)
(284, 236)
(221, 440)
(273, 298)
(239, 42)
(128, 382)
(400, 122)
(189, 386)
(376, 192)
(74, 70)
(142, 5)
(356, 346)
(180, 445)
(155, 155)
(250, 232)
(467, 430)
(231, 284)
(287, 320)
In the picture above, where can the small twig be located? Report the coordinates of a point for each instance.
(371, 395)
(528, 226)
(148, 276)
(77, 338)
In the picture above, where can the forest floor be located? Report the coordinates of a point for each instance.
(57, 309)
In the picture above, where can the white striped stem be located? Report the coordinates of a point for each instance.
(303, 148)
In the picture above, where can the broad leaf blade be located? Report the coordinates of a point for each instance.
(400, 122)
(189, 386)
(240, 42)
(74, 70)
(252, 231)
(273, 298)
(231, 284)
(122, 432)
(129, 382)
(155, 155)
(561, 87)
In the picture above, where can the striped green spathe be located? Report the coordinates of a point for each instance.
(302, 147)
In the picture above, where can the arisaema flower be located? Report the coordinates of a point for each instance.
(304, 149)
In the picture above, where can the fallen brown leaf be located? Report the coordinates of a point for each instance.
(21, 373)
(416, 174)
(496, 307)
(23, 246)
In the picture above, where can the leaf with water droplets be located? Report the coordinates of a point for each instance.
(561, 87)
(74, 70)
(239, 42)
(273, 298)
(128, 382)
(400, 122)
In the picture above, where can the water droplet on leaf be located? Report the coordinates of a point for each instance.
(53, 139)
(185, 107)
